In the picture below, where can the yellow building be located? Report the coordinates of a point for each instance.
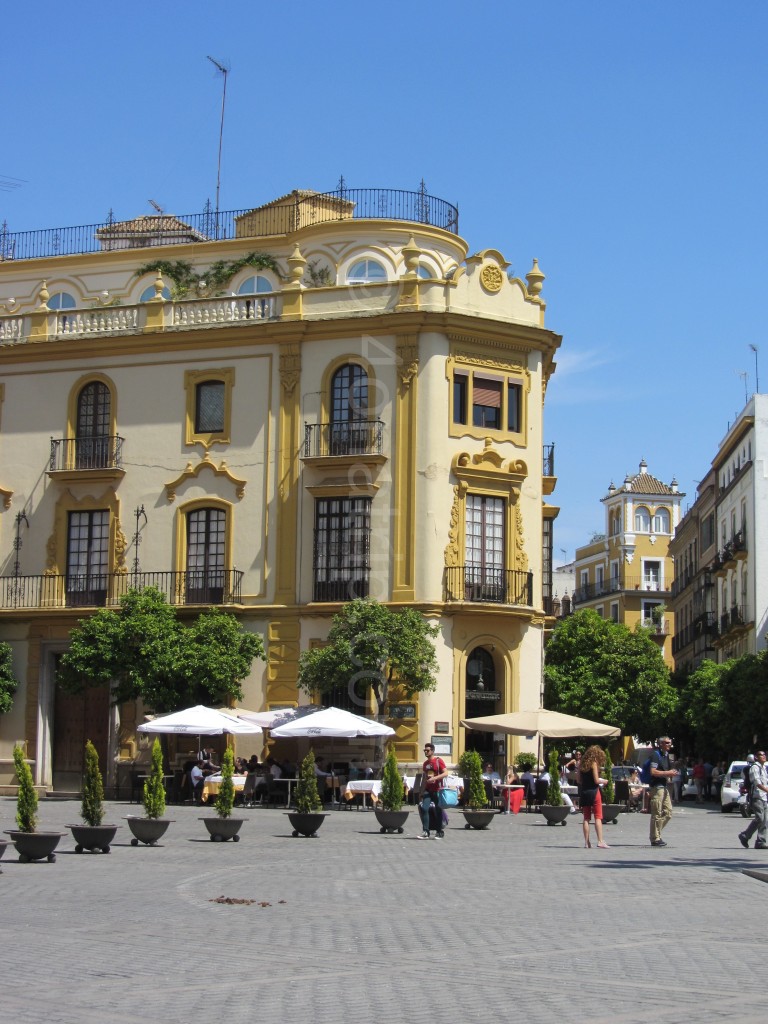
(626, 573)
(359, 413)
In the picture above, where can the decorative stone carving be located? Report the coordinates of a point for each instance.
(452, 550)
(206, 462)
(290, 366)
(491, 278)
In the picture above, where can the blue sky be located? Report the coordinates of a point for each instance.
(623, 144)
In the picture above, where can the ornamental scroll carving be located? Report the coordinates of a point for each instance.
(520, 557)
(290, 367)
(407, 359)
(453, 548)
(121, 544)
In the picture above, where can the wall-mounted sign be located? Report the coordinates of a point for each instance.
(483, 695)
(402, 710)
(443, 745)
(442, 727)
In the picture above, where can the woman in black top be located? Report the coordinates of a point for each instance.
(590, 800)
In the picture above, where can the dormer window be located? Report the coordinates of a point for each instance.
(366, 271)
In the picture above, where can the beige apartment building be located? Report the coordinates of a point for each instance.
(273, 411)
(626, 573)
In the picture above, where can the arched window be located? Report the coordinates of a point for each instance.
(661, 521)
(61, 300)
(206, 568)
(424, 273)
(349, 411)
(365, 271)
(480, 681)
(93, 445)
(256, 285)
(642, 520)
(257, 308)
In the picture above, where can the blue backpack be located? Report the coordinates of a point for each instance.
(645, 772)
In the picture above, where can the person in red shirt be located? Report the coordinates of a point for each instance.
(434, 771)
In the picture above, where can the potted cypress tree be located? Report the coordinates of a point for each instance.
(611, 810)
(389, 812)
(150, 828)
(555, 810)
(475, 809)
(224, 826)
(92, 834)
(309, 815)
(30, 844)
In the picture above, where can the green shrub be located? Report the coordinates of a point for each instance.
(471, 767)
(307, 797)
(26, 800)
(226, 796)
(526, 761)
(154, 790)
(609, 795)
(554, 796)
(92, 807)
(391, 783)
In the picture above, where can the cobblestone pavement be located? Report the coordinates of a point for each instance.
(516, 922)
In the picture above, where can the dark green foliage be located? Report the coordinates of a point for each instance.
(146, 653)
(307, 797)
(609, 794)
(391, 783)
(526, 761)
(598, 669)
(8, 682)
(370, 645)
(725, 706)
(26, 799)
(92, 807)
(226, 796)
(154, 789)
(471, 768)
(554, 796)
(212, 280)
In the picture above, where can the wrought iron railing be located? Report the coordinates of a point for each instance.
(498, 586)
(548, 467)
(362, 437)
(278, 219)
(612, 585)
(98, 590)
(72, 453)
(356, 584)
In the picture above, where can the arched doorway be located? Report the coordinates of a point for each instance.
(482, 699)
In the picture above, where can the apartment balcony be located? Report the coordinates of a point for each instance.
(618, 585)
(726, 559)
(353, 441)
(549, 480)
(739, 545)
(685, 579)
(74, 457)
(733, 621)
(496, 586)
(100, 590)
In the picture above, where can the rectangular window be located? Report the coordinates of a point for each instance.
(514, 408)
(485, 577)
(460, 386)
(342, 549)
(486, 403)
(87, 558)
(209, 407)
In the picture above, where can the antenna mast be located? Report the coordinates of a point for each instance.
(225, 71)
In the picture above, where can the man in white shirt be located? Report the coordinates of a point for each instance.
(196, 778)
(757, 781)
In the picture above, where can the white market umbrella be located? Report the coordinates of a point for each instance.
(334, 723)
(278, 716)
(200, 721)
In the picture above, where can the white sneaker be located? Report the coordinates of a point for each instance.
(424, 835)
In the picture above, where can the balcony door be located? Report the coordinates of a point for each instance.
(206, 545)
(87, 558)
(342, 549)
(484, 577)
(94, 407)
(349, 411)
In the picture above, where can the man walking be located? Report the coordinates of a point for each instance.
(660, 803)
(435, 771)
(757, 798)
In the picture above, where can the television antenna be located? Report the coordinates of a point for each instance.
(224, 71)
(156, 206)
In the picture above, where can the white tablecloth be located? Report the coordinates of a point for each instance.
(372, 786)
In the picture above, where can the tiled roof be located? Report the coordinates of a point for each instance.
(148, 224)
(644, 483)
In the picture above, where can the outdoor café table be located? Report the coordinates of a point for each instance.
(516, 793)
(212, 782)
(363, 786)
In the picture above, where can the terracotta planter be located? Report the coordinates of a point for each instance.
(555, 815)
(35, 845)
(147, 830)
(93, 837)
(391, 821)
(306, 824)
(222, 829)
(480, 818)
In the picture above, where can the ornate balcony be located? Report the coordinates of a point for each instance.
(99, 590)
(357, 439)
(497, 586)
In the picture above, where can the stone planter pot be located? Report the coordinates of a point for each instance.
(306, 824)
(222, 829)
(3, 845)
(478, 819)
(555, 815)
(93, 837)
(147, 830)
(611, 813)
(391, 821)
(35, 845)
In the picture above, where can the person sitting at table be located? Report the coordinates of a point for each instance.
(207, 763)
(510, 779)
(636, 791)
(196, 780)
(287, 770)
(241, 766)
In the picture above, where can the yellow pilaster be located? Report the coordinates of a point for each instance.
(282, 660)
(288, 472)
(404, 467)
